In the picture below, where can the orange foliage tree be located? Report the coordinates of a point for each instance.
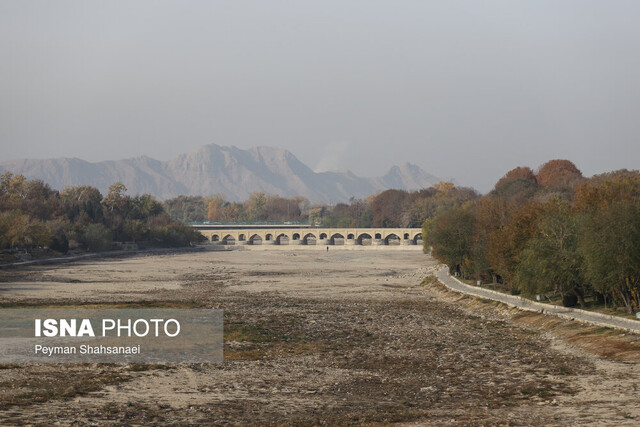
(558, 174)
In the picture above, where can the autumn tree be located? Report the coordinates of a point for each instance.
(517, 184)
(214, 212)
(506, 243)
(21, 230)
(558, 174)
(419, 209)
(491, 215)
(230, 212)
(387, 208)
(33, 196)
(603, 190)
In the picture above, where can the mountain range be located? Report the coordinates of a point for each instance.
(214, 169)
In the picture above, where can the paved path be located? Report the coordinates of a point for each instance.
(599, 319)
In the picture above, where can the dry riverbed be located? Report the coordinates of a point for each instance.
(344, 337)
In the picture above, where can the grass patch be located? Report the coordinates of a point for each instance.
(250, 333)
(536, 391)
(430, 281)
(32, 384)
(601, 340)
(263, 341)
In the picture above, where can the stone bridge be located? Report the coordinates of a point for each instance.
(285, 235)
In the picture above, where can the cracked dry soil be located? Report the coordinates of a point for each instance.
(334, 338)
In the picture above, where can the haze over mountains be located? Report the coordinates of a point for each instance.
(213, 169)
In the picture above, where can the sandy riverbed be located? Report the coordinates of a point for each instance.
(336, 337)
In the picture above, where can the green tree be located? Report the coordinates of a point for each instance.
(82, 203)
(451, 238)
(187, 208)
(551, 261)
(610, 245)
(97, 237)
(256, 206)
(135, 229)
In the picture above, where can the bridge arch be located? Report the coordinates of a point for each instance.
(406, 236)
(378, 236)
(350, 236)
(268, 237)
(296, 236)
(337, 239)
(392, 239)
(417, 237)
(282, 239)
(215, 238)
(364, 239)
(242, 237)
(228, 240)
(323, 235)
(255, 240)
(309, 239)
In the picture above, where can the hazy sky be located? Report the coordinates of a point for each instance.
(464, 89)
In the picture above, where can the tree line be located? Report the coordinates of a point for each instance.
(390, 208)
(32, 215)
(552, 233)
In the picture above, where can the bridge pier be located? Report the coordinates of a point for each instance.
(407, 242)
(350, 242)
(296, 242)
(268, 242)
(377, 242)
(323, 242)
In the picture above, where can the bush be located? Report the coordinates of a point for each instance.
(60, 243)
(97, 237)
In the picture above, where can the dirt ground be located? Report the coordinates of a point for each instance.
(328, 338)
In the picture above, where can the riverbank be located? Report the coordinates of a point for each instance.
(97, 255)
(576, 314)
